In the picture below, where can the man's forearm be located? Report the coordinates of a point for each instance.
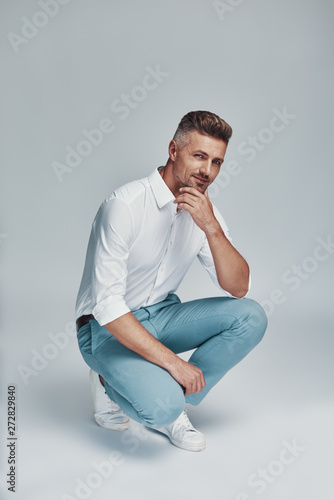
(232, 269)
(131, 333)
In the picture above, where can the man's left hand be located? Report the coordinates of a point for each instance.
(199, 207)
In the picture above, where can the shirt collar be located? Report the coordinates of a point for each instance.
(161, 191)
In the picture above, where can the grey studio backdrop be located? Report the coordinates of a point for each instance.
(92, 94)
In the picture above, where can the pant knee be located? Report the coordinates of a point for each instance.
(250, 323)
(257, 320)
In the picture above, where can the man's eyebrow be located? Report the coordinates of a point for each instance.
(196, 151)
(201, 151)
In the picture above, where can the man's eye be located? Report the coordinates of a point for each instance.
(200, 156)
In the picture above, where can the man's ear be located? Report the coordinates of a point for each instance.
(172, 150)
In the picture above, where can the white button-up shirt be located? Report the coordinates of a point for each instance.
(139, 250)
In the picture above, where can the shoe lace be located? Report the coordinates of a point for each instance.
(112, 406)
(183, 421)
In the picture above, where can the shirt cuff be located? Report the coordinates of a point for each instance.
(110, 309)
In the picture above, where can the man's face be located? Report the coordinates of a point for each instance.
(198, 162)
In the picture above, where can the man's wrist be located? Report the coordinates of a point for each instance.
(213, 229)
(171, 361)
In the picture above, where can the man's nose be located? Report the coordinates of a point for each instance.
(206, 168)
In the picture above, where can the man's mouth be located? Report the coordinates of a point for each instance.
(201, 180)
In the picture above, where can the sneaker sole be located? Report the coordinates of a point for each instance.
(188, 446)
(122, 426)
(182, 444)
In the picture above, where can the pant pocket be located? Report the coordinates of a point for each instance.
(85, 339)
(99, 335)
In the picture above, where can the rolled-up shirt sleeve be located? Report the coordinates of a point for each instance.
(112, 233)
(205, 255)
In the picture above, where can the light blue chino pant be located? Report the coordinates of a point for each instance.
(223, 330)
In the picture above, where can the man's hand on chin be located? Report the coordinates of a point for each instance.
(199, 206)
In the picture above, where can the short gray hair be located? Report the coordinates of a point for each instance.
(206, 123)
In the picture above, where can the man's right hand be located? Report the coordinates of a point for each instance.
(188, 376)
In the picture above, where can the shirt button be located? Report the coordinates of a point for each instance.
(161, 269)
(170, 243)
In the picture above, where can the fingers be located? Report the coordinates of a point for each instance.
(186, 196)
(189, 376)
(188, 193)
(197, 383)
(193, 389)
(191, 196)
(195, 192)
(188, 200)
(191, 190)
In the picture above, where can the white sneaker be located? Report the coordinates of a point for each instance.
(107, 413)
(183, 434)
